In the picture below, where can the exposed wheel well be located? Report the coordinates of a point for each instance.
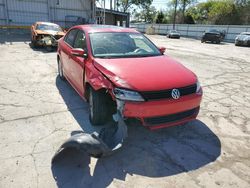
(110, 102)
(87, 89)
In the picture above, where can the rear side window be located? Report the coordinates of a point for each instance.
(70, 37)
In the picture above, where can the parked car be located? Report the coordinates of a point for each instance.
(46, 34)
(213, 35)
(243, 39)
(173, 34)
(119, 68)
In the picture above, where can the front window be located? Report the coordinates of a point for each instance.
(118, 45)
(46, 27)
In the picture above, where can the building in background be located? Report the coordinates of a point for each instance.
(112, 17)
(66, 13)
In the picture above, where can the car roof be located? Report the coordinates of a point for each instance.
(45, 23)
(104, 28)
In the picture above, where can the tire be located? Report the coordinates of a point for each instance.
(60, 70)
(34, 44)
(217, 41)
(98, 107)
(49, 48)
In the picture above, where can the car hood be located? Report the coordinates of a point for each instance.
(175, 33)
(49, 32)
(146, 73)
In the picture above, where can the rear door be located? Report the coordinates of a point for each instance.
(77, 63)
(65, 52)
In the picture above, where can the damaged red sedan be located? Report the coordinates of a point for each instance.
(120, 70)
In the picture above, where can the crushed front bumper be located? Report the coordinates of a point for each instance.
(164, 113)
(47, 41)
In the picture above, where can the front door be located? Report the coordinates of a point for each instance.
(77, 63)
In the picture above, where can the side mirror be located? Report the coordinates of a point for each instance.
(78, 52)
(162, 50)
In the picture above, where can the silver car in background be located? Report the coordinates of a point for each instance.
(173, 34)
(243, 39)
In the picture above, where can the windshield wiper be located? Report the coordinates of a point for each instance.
(130, 56)
(105, 57)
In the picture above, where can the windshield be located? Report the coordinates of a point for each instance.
(48, 27)
(118, 45)
(244, 33)
(213, 31)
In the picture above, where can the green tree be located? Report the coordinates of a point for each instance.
(184, 4)
(243, 7)
(223, 12)
(189, 19)
(180, 9)
(160, 17)
(147, 15)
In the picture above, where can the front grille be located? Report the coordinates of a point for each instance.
(165, 94)
(170, 118)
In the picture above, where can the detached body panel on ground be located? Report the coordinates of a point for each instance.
(120, 69)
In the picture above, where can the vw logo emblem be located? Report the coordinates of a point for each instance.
(175, 94)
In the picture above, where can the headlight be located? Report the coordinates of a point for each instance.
(127, 95)
(198, 86)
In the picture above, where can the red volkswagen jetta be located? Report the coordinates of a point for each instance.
(119, 69)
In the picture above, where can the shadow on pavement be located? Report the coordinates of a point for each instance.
(9, 36)
(42, 48)
(147, 153)
(16, 36)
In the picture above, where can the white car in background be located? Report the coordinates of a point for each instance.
(243, 39)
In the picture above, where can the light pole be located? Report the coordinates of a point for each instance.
(175, 6)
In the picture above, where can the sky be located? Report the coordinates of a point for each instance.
(160, 4)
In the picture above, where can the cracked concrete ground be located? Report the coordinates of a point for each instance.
(38, 112)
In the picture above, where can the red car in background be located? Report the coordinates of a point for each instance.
(119, 69)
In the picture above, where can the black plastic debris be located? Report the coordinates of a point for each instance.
(97, 145)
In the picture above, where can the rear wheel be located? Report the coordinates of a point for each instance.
(49, 48)
(98, 105)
